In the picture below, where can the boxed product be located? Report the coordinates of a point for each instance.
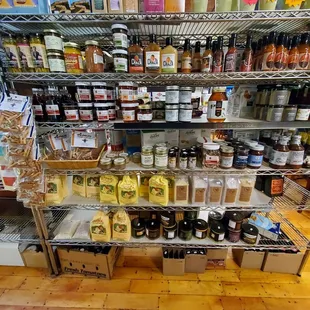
(189, 137)
(195, 261)
(248, 259)
(151, 6)
(80, 6)
(173, 262)
(88, 263)
(133, 141)
(244, 101)
(27, 6)
(115, 6)
(216, 257)
(60, 6)
(172, 137)
(99, 6)
(151, 138)
(131, 6)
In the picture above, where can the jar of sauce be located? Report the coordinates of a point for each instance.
(53, 41)
(56, 62)
(86, 111)
(102, 111)
(255, 158)
(126, 92)
(93, 57)
(73, 58)
(297, 152)
(147, 157)
(83, 90)
(71, 111)
(129, 112)
(144, 114)
(217, 106)
(279, 154)
(241, 157)
(100, 92)
(112, 111)
(303, 112)
(227, 157)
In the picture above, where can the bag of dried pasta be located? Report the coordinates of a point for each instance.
(100, 229)
(121, 226)
(108, 189)
(159, 190)
(127, 191)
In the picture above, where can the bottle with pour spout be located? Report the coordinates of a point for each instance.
(231, 56)
(169, 58)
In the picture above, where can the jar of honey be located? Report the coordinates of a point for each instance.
(217, 106)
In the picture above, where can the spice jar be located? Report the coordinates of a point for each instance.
(102, 111)
(120, 61)
(83, 90)
(129, 111)
(249, 233)
(161, 157)
(73, 58)
(275, 113)
(170, 232)
(211, 155)
(185, 95)
(119, 163)
(217, 232)
(152, 229)
(279, 154)
(172, 113)
(289, 113)
(100, 92)
(144, 114)
(227, 157)
(71, 110)
(53, 41)
(172, 95)
(120, 38)
(183, 159)
(126, 92)
(93, 57)
(86, 111)
(241, 157)
(56, 62)
(200, 229)
(256, 155)
(105, 163)
(217, 105)
(185, 230)
(186, 112)
(138, 228)
(172, 159)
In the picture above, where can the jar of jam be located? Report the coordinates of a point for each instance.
(227, 157)
(129, 112)
(120, 61)
(297, 152)
(217, 106)
(100, 92)
(279, 154)
(255, 158)
(86, 111)
(303, 113)
(102, 111)
(126, 92)
(144, 114)
(241, 157)
(112, 111)
(93, 57)
(71, 111)
(53, 41)
(83, 90)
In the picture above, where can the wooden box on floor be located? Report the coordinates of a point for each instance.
(216, 257)
(32, 258)
(248, 259)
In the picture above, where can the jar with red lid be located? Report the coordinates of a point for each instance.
(129, 112)
(102, 111)
(86, 111)
(100, 91)
(83, 90)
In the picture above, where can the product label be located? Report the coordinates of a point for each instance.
(293, 3)
(221, 237)
(196, 64)
(255, 160)
(246, 62)
(129, 115)
(73, 61)
(303, 61)
(230, 62)
(207, 63)
(84, 94)
(211, 160)
(161, 161)
(152, 60)
(200, 195)
(185, 96)
(215, 194)
(112, 114)
(231, 195)
(296, 157)
(100, 94)
(25, 56)
(38, 110)
(172, 97)
(86, 115)
(83, 139)
(102, 115)
(302, 114)
(181, 192)
(293, 61)
(279, 61)
(145, 117)
(168, 63)
(276, 187)
(12, 56)
(126, 95)
(136, 62)
(172, 162)
(217, 65)
(171, 235)
(232, 224)
(72, 115)
(227, 162)
(120, 40)
(217, 109)
(241, 160)
(278, 158)
(192, 162)
(198, 234)
(245, 193)
(57, 65)
(268, 61)
(185, 115)
(52, 109)
(53, 43)
(147, 160)
(120, 64)
(172, 115)
(183, 163)
(98, 59)
(187, 63)
(39, 57)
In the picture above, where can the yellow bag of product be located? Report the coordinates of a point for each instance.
(100, 228)
(135, 178)
(79, 185)
(171, 181)
(92, 186)
(121, 229)
(64, 181)
(144, 186)
(159, 190)
(127, 191)
(54, 190)
(108, 189)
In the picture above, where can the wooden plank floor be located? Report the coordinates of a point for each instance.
(146, 288)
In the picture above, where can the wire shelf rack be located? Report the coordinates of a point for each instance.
(193, 79)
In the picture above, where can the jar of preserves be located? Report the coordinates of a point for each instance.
(120, 61)
(100, 91)
(217, 106)
(56, 62)
(71, 110)
(172, 113)
(73, 58)
(161, 157)
(241, 157)
(279, 154)
(147, 157)
(185, 113)
(102, 111)
(172, 95)
(211, 155)
(227, 157)
(126, 92)
(255, 158)
(38, 52)
(110, 93)
(86, 111)
(129, 112)
(303, 112)
(120, 38)
(53, 41)
(172, 159)
(83, 90)
(144, 113)
(112, 111)
(25, 54)
(297, 152)
(12, 54)
(185, 95)
(93, 57)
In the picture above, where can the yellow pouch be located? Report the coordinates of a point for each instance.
(92, 186)
(144, 187)
(108, 189)
(127, 191)
(79, 185)
(159, 190)
(121, 226)
(54, 191)
(100, 228)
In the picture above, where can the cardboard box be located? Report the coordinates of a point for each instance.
(189, 137)
(153, 137)
(151, 6)
(99, 6)
(172, 137)
(80, 6)
(173, 266)
(248, 259)
(283, 262)
(195, 263)
(10, 255)
(115, 6)
(216, 257)
(32, 258)
(131, 6)
(88, 263)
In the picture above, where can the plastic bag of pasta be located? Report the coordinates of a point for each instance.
(159, 190)
(127, 191)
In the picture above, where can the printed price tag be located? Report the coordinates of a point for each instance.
(293, 2)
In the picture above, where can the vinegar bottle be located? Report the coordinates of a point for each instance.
(152, 56)
(187, 57)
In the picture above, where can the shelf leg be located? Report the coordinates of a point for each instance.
(304, 262)
(52, 258)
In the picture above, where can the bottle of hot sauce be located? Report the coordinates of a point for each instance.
(187, 57)
(269, 52)
(286, 51)
(293, 56)
(260, 57)
(218, 56)
(207, 57)
(257, 53)
(304, 52)
(197, 59)
(247, 56)
(279, 61)
(136, 56)
(231, 55)
(214, 47)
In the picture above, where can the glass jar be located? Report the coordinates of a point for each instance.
(172, 113)
(303, 113)
(120, 61)
(185, 95)
(73, 58)
(102, 111)
(183, 159)
(186, 112)
(100, 92)
(275, 113)
(227, 157)
(25, 54)
(83, 90)
(172, 95)
(161, 157)
(279, 153)
(119, 163)
(126, 92)
(192, 160)
(120, 38)
(129, 112)
(280, 95)
(172, 159)
(144, 113)
(93, 57)
(147, 157)
(71, 111)
(105, 163)
(12, 54)
(112, 111)
(53, 41)
(110, 93)
(211, 155)
(217, 105)
(289, 113)
(38, 52)
(86, 111)
(241, 157)
(255, 158)
(56, 62)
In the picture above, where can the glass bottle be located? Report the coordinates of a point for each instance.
(279, 154)
(279, 61)
(169, 58)
(260, 57)
(293, 55)
(286, 51)
(152, 56)
(247, 56)
(207, 57)
(12, 54)
(136, 56)
(269, 53)
(38, 52)
(197, 59)
(214, 47)
(53, 105)
(38, 105)
(296, 156)
(218, 56)
(306, 163)
(257, 53)
(187, 57)
(25, 54)
(231, 55)
(304, 52)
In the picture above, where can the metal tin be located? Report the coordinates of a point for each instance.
(200, 229)
(138, 228)
(249, 233)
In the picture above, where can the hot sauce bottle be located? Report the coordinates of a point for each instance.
(247, 56)
(136, 57)
(187, 57)
(269, 53)
(231, 55)
(214, 47)
(152, 56)
(197, 59)
(260, 57)
(304, 52)
(279, 61)
(207, 57)
(257, 53)
(286, 51)
(218, 56)
(293, 56)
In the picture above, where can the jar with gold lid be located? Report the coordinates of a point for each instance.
(73, 58)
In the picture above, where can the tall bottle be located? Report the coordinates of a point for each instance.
(279, 154)
(218, 56)
(187, 57)
(25, 54)
(197, 59)
(136, 56)
(304, 52)
(286, 51)
(293, 55)
(260, 57)
(247, 56)
(279, 61)
(152, 56)
(231, 55)
(207, 57)
(269, 53)
(214, 46)
(257, 53)
(169, 58)
(306, 163)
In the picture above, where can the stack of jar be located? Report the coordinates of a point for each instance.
(120, 53)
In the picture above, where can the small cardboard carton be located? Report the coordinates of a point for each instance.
(248, 259)
(173, 266)
(195, 261)
(216, 257)
(32, 258)
(89, 263)
(99, 6)
(283, 262)
(150, 138)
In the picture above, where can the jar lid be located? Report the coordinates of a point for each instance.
(211, 146)
(136, 155)
(82, 83)
(111, 155)
(161, 150)
(101, 105)
(147, 148)
(185, 225)
(172, 107)
(172, 88)
(186, 106)
(227, 149)
(119, 26)
(130, 105)
(257, 147)
(218, 228)
(250, 229)
(145, 107)
(71, 44)
(50, 30)
(152, 224)
(131, 84)
(119, 161)
(85, 104)
(138, 223)
(186, 89)
(105, 161)
(119, 52)
(235, 216)
(200, 224)
(99, 83)
(92, 42)
(55, 54)
(219, 89)
(215, 215)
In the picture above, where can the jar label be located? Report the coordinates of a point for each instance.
(217, 64)
(39, 57)
(171, 235)
(255, 160)
(172, 115)
(196, 64)
(192, 162)
(168, 63)
(98, 59)
(186, 96)
(241, 160)
(57, 65)
(110, 94)
(84, 94)
(73, 62)
(102, 115)
(161, 161)
(120, 40)
(276, 187)
(212, 160)
(289, 116)
(187, 62)
(181, 192)
(217, 109)
(268, 61)
(72, 115)
(129, 115)
(221, 237)
(296, 157)
(112, 114)
(246, 62)
(278, 158)
(227, 162)
(230, 62)
(126, 95)
(25, 56)
(302, 114)
(120, 64)
(52, 109)
(231, 195)
(303, 61)
(136, 62)
(12, 55)
(172, 162)
(207, 63)
(86, 115)
(183, 163)
(147, 160)
(172, 97)
(185, 115)
(200, 194)
(280, 60)
(232, 224)
(245, 193)
(38, 110)
(100, 94)
(145, 117)
(293, 61)
(53, 43)
(152, 60)
(198, 234)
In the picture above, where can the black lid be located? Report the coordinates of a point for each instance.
(187, 45)
(209, 43)
(215, 215)
(304, 38)
(265, 40)
(200, 224)
(235, 216)
(172, 153)
(220, 43)
(168, 41)
(153, 38)
(192, 153)
(272, 37)
(135, 40)
(185, 225)
(214, 46)
(197, 47)
(138, 223)
(218, 228)
(152, 224)
(250, 229)
(281, 39)
(184, 154)
(233, 40)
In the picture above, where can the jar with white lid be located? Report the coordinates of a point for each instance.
(100, 91)
(83, 90)
(172, 95)
(102, 111)
(172, 113)
(186, 112)
(185, 95)
(211, 155)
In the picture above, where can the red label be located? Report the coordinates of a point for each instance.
(52, 109)
(250, 2)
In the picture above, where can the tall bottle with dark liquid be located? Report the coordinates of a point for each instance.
(304, 52)
(231, 56)
(218, 56)
(247, 56)
(269, 52)
(197, 59)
